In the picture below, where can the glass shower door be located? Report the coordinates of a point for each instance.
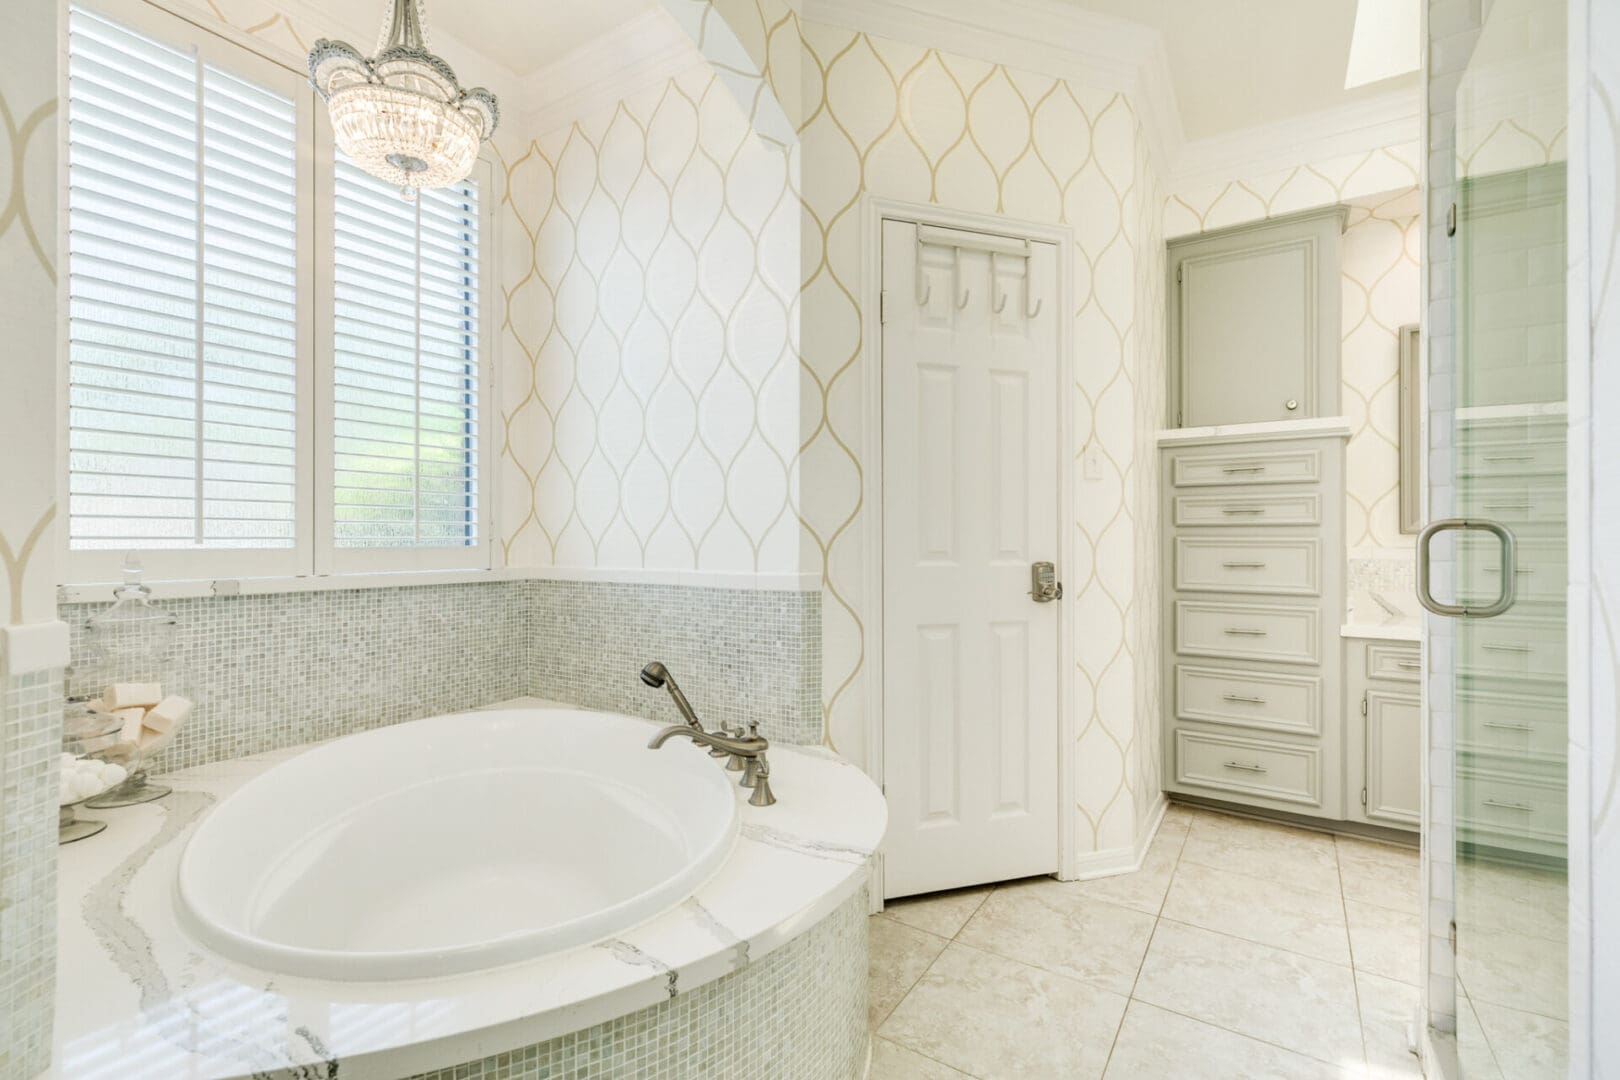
(1505, 554)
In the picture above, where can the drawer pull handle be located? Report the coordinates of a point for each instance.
(1506, 726)
(1230, 469)
(1246, 699)
(1244, 565)
(1409, 665)
(1245, 766)
(1523, 808)
(1505, 459)
(1508, 506)
(1243, 509)
(1492, 647)
(1498, 570)
(1245, 631)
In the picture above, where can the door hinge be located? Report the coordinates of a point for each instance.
(1364, 798)
(1363, 704)
(1451, 220)
(1451, 937)
(883, 307)
(1178, 274)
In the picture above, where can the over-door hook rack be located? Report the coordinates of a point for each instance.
(956, 279)
(959, 240)
(1000, 303)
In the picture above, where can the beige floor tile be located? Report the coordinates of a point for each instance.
(1055, 926)
(1385, 942)
(996, 1018)
(942, 913)
(1522, 899)
(1511, 970)
(1382, 874)
(899, 954)
(1178, 818)
(891, 1061)
(1473, 1052)
(1526, 1046)
(1142, 889)
(1293, 1001)
(1296, 857)
(1157, 1045)
(1388, 1008)
(1259, 909)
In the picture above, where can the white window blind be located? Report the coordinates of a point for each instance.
(183, 286)
(405, 365)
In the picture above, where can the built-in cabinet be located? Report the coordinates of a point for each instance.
(1254, 563)
(1383, 732)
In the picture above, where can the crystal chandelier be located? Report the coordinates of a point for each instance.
(401, 115)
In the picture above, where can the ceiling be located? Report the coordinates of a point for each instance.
(1238, 63)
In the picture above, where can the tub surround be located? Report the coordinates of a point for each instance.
(138, 997)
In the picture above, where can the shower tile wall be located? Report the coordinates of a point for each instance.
(278, 670)
(29, 709)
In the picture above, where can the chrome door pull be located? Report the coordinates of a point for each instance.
(1505, 597)
(1044, 587)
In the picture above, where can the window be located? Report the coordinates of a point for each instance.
(274, 363)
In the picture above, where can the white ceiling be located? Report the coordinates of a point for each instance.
(1238, 63)
(522, 36)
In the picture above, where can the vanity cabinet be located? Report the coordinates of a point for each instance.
(1383, 732)
(1254, 322)
(1254, 572)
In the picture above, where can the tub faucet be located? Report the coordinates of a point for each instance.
(655, 675)
(750, 749)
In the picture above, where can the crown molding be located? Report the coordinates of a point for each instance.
(648, 49)
(1051, 37)
(1389, 119)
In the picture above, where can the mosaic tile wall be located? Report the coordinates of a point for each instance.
(738, 654)
(798, 1014)
(279, 670)
(30, 708)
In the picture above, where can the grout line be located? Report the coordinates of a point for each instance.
(1350, 947)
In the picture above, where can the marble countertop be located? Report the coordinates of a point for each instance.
(137, 998)
(1383, 616)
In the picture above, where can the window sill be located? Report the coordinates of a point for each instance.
(175, 590)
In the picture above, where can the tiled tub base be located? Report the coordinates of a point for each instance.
(798, 1014)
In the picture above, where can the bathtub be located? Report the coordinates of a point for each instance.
(455, 844)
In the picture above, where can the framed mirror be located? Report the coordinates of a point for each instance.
(1411, 430)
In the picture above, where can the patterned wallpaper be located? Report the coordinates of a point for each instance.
(650, 401)
(1382, 292)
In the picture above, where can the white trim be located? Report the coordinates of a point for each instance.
(1390, 119)
(1053, 37)
(600, 73)
(93, 592)
(1114, 861)
(30, 647)
(1312, 427)
(874, 211)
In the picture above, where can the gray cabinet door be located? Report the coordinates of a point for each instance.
(1254, 322)
(1394, 753)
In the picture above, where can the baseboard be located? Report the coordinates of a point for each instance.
(1096, 864)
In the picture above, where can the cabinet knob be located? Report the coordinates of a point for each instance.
(1291, 404)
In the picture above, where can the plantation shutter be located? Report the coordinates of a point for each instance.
(183, 299)
(405, 365)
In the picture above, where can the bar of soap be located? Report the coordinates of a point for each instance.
(126, 695)
(167, 714)
(134, 719)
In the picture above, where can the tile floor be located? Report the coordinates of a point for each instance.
(1240, 951)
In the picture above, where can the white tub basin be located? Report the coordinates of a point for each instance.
(454, 844)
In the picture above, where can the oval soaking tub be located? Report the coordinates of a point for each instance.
(454, 844)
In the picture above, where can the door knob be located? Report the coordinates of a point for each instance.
(1044, 587)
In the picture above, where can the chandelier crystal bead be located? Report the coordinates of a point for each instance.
(400, 114)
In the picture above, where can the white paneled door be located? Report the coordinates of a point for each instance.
(971, 459)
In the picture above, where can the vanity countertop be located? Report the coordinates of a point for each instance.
(138, 998)
(1383, 616)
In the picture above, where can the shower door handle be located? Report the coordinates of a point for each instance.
(1044, 587)
(1509, 546)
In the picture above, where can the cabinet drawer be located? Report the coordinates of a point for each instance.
(1542, 570)
(1292, 466)
(1304, 508)
(1528, 504)
(1512, 648)
(1403, 663)
(1281, 771)
(1290, 635)
(1249, 565)
(1252, 699)
(1499, 808)
(1524, 727)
